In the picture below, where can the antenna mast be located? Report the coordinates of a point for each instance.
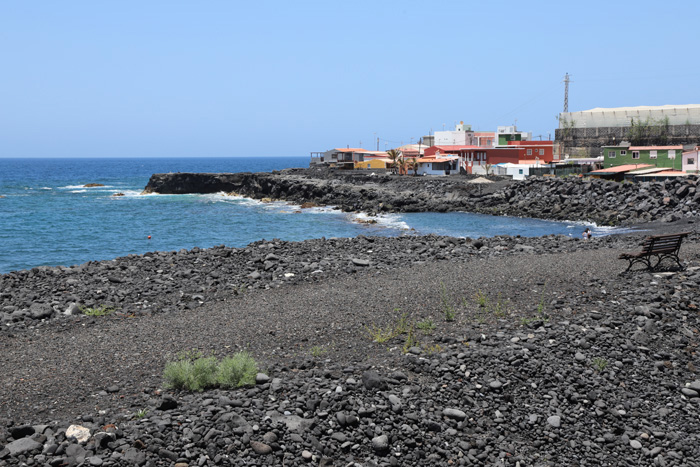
(566, 93)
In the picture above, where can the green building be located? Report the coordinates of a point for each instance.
(658, 156)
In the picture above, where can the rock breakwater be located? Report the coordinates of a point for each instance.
(572, 198)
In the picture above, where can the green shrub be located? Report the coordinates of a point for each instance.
(177, 374)
(426, 325)
(236, 371)
(192, 372)
(204, 372)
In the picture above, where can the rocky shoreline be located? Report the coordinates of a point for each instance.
(550, 357)
(579, 199)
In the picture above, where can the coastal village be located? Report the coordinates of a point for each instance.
(624, 143)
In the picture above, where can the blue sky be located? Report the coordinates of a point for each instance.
(269, 78)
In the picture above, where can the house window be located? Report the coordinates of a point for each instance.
(611, 154)
(520, 171)
(671, 153)
(529, 152)
(635, 154)
(691, 161)
(652, 154)
(623, 152)
(541, 152)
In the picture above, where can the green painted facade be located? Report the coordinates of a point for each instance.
(505, 137)
(620, 155)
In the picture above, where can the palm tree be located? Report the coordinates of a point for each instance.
(394, 155)
(402, 165)
(413, 165)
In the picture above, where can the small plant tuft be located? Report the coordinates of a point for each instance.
(426, 325)
(102, 310)
(140, 414)
(448, 308)
(380, 335)
(433, 349)
(481, 299)
(599, 363)
(317, 351)
(410, 341)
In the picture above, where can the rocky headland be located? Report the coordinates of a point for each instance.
(531, 351)
(572, 198)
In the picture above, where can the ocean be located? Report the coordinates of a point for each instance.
(48, 216)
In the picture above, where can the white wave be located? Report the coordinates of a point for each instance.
(391, 221)
(46, 188)
(77, 187)
(78, 191)
(126, 193)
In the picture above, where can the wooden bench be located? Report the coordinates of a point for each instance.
(658, 248)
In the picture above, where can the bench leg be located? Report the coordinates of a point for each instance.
(672, 256)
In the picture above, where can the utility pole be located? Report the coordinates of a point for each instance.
(566, 92)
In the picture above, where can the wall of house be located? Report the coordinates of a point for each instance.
(518, 173)
(501, 155)
(661, 160)
(542, 150)
(453, 138)
(438, 168)
(589, 141)
(691, 162)
(371, 164)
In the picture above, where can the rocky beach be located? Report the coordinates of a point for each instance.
(505, 350)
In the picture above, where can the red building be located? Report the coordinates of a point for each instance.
(536, 150)
(516, 152)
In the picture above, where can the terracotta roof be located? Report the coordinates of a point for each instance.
(620, 169)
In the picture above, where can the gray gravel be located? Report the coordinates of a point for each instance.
(567, 362)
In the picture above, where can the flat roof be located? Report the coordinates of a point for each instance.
(648, 171)
(641, 107)
(654, 148)
(666, 173)
(435, 159)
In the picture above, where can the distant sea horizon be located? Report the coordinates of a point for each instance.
(48, 217)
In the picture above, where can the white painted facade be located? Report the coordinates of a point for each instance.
(517, 171)
(691, 162)
(438, 168)
(461, 136)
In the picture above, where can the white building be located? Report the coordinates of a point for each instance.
(623, 116)
(462, 135)
(438, 165)
(691, 161)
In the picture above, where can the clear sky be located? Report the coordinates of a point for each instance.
(284, 78)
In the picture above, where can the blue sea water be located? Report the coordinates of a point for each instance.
(48, 217)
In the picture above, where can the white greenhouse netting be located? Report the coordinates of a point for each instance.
(623, 116)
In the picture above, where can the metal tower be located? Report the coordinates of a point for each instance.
(566, 93)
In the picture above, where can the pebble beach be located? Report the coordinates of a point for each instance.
(552, 356)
